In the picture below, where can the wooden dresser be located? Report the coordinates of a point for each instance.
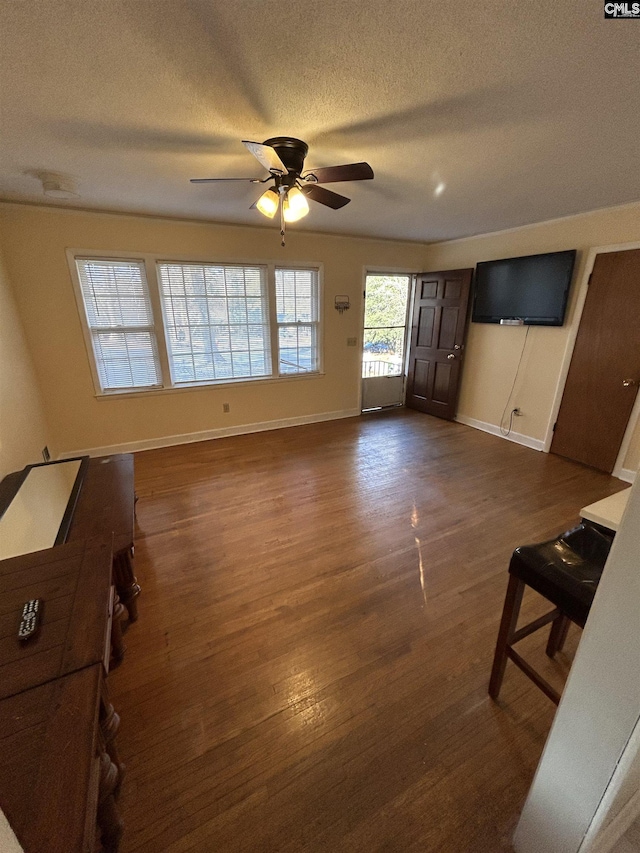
(60, 771)
(58, 780)
(106, 504)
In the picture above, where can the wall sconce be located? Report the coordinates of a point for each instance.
(342, 304)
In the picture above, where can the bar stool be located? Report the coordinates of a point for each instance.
(566, 571)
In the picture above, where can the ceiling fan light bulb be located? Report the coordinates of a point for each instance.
(295, 205)
(267, 204)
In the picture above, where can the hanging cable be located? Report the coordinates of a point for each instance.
(513, 385)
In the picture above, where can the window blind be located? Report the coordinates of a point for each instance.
(216, 321)
(120, 321)
(297, 310)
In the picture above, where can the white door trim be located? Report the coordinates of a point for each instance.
(399, 271)
(568, 353)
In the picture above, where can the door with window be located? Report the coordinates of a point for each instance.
(385, 332)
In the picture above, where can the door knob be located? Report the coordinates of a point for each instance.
(451, 356)
(629, 382)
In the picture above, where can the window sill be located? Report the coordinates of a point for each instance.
(207, 386)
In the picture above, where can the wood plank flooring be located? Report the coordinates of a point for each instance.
(319, 610)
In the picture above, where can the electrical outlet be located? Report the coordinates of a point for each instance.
(226, 408)
(352, 342)
(45, 454)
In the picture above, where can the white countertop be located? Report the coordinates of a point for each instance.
(608, 511)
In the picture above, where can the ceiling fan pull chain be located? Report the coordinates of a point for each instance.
(282, 223)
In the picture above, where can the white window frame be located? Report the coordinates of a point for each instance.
(313, 323)
(150, 264)
(168, 309)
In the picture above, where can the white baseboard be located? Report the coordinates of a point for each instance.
(517, 437)
(625, 474)
(206, 435)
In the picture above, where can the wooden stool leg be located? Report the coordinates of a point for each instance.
(563, 636)
(558, 634)
(508, 623)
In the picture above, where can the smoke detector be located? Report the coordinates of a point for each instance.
(57, 186)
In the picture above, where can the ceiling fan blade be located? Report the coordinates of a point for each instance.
(268, 156)
(349, 172)
(326, 197)
(215, 180)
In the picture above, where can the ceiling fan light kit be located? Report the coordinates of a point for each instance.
(268, 202)
(294, 205)
(283, 157)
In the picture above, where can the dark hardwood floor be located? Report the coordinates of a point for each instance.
(319, 610)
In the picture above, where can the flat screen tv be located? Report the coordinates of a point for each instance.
(531, 291)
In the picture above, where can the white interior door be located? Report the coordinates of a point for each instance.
(384, 340)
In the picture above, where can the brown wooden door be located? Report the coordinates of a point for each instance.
(437, 341)
(596, 403)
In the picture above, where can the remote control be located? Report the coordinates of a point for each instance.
(30, 619)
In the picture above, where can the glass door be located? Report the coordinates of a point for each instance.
(385, 334)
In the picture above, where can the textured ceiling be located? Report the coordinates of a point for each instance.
(475, 116)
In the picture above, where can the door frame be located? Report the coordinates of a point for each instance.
(382, 270)
(634, 417)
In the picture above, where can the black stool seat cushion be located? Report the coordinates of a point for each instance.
(565, 570)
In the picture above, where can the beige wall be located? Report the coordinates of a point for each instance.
(35, 241)
(23, 431)
(493, 351)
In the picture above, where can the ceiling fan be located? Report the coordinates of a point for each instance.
(283, 157)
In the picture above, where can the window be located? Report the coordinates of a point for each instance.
(154, 324)
(385, 324)
(216, 321)
(120, 321)
(297, 317)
